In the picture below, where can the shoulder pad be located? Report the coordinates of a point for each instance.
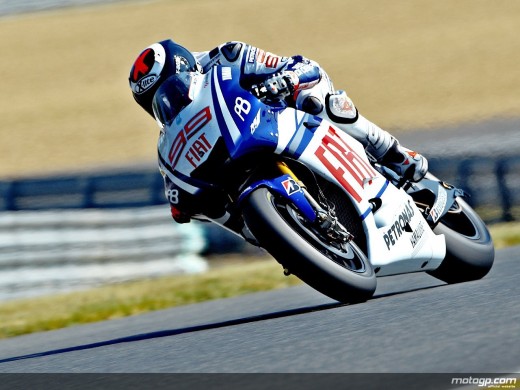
(231, 50)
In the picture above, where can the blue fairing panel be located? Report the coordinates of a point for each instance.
(246, 123)
(286, 187)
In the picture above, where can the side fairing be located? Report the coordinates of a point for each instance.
(400, 240)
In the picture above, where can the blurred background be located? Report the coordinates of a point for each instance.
(80, 197)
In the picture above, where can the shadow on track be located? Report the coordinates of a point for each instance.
(199, 328)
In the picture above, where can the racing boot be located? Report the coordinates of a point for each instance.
(387, 151)
(405, 162)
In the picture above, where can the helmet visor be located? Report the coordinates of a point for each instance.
(171, 97)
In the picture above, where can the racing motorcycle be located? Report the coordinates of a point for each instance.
(305, 191)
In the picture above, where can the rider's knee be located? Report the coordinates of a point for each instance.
(340, 108)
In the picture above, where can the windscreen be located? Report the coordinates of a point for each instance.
(171, 97)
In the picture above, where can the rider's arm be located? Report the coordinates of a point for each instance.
(283, 76)
(299, 74)
(307, 71)
(258, 66)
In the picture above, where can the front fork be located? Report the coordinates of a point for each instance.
(325, 216)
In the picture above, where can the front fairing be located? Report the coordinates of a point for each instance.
(221, 110)
(247, 125)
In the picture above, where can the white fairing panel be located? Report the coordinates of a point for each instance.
(404, 242)
(398, 237)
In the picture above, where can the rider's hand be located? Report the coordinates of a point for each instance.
(280, 86)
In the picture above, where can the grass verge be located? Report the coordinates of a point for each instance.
(235, 278)
(120, 300)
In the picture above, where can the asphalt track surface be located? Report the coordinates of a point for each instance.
(413, 324)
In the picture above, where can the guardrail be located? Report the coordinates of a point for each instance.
(83, 191)
(45, 252)
(493, 183)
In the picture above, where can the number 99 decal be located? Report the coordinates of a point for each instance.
(192, 127)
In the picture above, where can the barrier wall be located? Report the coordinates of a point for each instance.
(45, 251)
(493, 183)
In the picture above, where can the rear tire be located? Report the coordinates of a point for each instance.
(342, 273)
(469, 248)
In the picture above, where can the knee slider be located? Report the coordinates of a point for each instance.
(340, 108)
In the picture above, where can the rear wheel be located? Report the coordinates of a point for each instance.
(337, 269)
(469, 248)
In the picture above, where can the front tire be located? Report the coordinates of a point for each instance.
(469, 248)
(342, 273)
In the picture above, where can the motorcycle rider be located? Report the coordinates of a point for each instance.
(296, 81)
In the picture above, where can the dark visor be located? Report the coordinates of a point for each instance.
(171, 97)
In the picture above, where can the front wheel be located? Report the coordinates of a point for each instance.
(339, 270)
(469, 248)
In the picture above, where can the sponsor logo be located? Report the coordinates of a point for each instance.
(290, 186)
(439, 205)
(143, 64)
(301, 68)
(255, 123)
(417, 234)
(145, 83)
(251, 57)
(197, 150)
(260, 56)
(349, 168)
(271, 61)
(400, 225)
(147, 68)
